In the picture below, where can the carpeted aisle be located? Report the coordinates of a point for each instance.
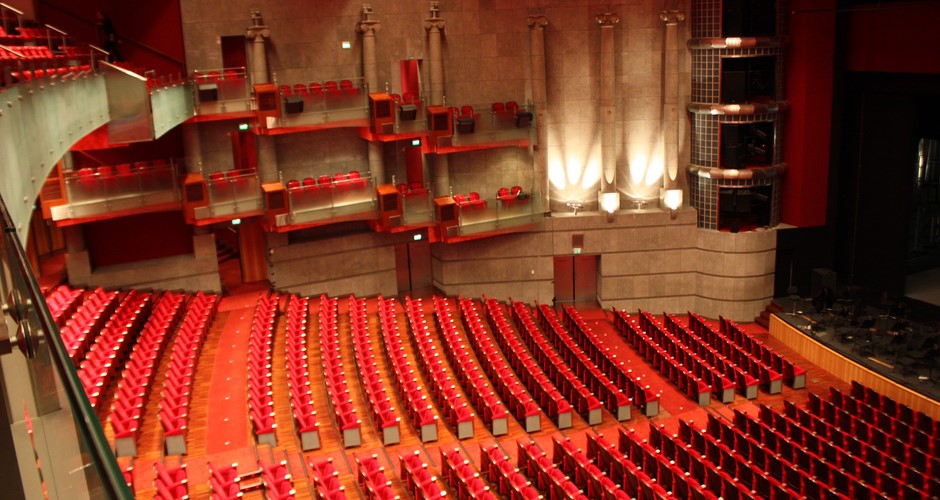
(227, 422)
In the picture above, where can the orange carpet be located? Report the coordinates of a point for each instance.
(227, 422)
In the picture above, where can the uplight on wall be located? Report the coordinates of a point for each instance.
(610, 203)
(672, 199)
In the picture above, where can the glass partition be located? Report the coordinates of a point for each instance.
(232, 193)
(331, 198)
(95, 191)
(500, 213)
(50, 428)
(323, 102)
(225, 90)
(485, 123)
(417, 206)
(410, 113)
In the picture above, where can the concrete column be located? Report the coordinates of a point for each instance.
(607, 21)
(670, 77)
(192, 148)
(258, 32)
(258, 61)
(368, 27)
(537, 26)
(440, 165)
(74, 238)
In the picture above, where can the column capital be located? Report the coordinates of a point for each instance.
(257, 30)
(672, 16)
(537, 21)
(434, 23)
(607, 19)
(368, 27)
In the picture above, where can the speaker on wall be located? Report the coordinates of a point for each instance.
(208, 92)
(407, 112)
(523, 119)
(465, 125)
(294, 104)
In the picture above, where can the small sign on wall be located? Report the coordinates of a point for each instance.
(577, 243)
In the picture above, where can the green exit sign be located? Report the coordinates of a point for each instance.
(576, 251)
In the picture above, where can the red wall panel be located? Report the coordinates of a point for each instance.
(137, 237)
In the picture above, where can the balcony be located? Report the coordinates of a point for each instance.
(329, 200)
(505, 213)
(221, 91)
(119, 190)
(489, 126)
(417, 206)
(233, 194)
(339, 104)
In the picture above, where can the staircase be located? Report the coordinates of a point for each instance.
(764, 318)
(224, 252)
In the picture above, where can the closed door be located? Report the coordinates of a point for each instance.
(413, 266)
(576, 278)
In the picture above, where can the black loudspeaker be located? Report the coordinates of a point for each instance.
(465, 125)
(407, 112)
(523, 119)
(294, 104)
(208, 92)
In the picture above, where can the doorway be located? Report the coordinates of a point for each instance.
(576, 279)
(413, 266)
(233, 52)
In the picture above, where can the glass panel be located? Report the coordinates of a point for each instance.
(234, 192)
(417, 207)
(114, 188)
(499, 213)
(223, 90)
(482, 124)
(332, 198)
(58, 440)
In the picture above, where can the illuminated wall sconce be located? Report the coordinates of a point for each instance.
(610, 203)
(672, 199)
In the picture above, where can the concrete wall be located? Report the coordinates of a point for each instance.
(197, 271)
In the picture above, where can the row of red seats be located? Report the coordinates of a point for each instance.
(691, 384)
(498, 469)
(410, 391)
(82, 327)
(685, 468)
(340, 399)
(470, 200)
(218, 76)
(509, 388)
(704, 362)
(63, 301)
(541, 387)
(383, 412)
(231, 175)
(318, 88)
(633, 480)
(588, 477)
(170, 481)
(418, 478)
(474, 383)
(730, 333)
(260, 357)
(278, 480)
(901, 413)
(326, 480)
(568, 370)
(837, 424)
(454, 407)
(462, 477)
(896, 458)
(643, 397)
(225, 483)
(548, 476)
(190, 337)
(373, 480)
(298, 374)
(29, 52)
(134, 388)
(107, 354)
(339, 180)
(413, 189)
(879, 426)
(792, 456)
(31, 74)
(506, 194)
(740, 370)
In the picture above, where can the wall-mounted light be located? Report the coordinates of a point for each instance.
(610, 203)
(672, 199)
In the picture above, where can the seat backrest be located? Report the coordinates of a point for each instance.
(396, 98)
(403, 188)
(300, 89)
(499, 107)
(339, 177)
(286, 90)
(323, 180)
(293, 184)
(474, 196)
(216, 176)
(466, 111)
(503, 192)
(459, 198)
(309, 181)
(353, 174)
(331, 86)
(512, 106)
(316, 88)
(516, 190)
(410, 97)
(345, 84)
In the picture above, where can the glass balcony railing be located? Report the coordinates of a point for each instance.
(486, 215)
(49, 425)
(233, 193)
(323, 102)
(123, 187)
(417, 206)
(331, 199)
(218, 91)
(482, 124)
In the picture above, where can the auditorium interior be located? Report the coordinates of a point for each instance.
(513, 249)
